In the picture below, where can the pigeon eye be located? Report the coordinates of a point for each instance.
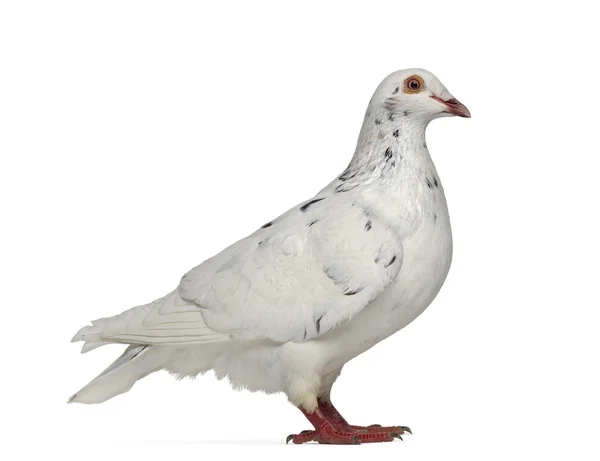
(414, 84)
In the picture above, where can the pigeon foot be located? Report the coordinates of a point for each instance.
(331, 428)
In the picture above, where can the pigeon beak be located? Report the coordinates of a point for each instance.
(454, 106)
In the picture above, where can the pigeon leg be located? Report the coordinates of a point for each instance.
(328, 433)
(334, 416)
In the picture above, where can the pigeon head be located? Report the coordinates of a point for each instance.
(417, 93)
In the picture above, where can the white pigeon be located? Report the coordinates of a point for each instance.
(285, 308)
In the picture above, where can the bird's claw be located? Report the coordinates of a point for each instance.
(396, 435)
(288, 438)
(406, 429)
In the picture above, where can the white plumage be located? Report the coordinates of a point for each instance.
(285, 308)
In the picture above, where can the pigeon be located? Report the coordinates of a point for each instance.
(284, 309)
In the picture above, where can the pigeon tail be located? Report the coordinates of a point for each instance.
(92, 335)
(136, 362)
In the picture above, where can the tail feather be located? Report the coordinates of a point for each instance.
(135, 363)
(90, 346)
(91, 334)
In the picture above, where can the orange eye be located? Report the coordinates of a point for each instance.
(414, 84)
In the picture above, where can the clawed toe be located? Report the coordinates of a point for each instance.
(302, 437)
(376, 428)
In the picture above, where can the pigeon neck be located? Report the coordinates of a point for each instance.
(390, 142)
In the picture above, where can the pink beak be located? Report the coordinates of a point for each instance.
(455, 107)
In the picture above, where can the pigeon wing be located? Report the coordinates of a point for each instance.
(298, 277)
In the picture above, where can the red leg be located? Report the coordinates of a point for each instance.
(332, 428)
(332, 415)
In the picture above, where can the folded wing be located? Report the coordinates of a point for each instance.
(298, 277)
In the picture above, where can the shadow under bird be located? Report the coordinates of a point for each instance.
(285, 308)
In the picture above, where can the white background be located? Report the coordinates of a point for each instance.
(139, 138)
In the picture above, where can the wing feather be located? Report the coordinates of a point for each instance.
(307, 272)
(167, 321)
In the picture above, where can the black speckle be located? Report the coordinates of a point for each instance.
(406, 113)
(346, 175)
(269, 224)
(391, 104)
(396, 133)
(425, 145)
(260, 243)
(314, 222)
(353, 292)
(435, 217)
(345, 187)
(318, 324)
(396, 90)
(368, 225)
(373, 168)
(393, 163)
(435, 182)
(388, 154)
(429, 183)
(304, 207)
(391, 117)
(377, 121)
(391, 262)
